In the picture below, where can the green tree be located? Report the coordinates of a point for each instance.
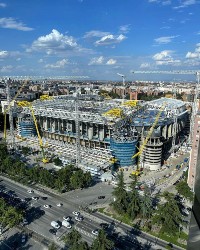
(102, 242)
(73, 241)
(134, 199)
(146, 207)
(121, 197)
(184, 190)
(168, 215)
(52, 247)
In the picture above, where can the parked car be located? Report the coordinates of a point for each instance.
(79, 218)
(95, 232)
(66, 218)
(53, 231)
(30, 191)
(59, 205)
(55, 225)
(46, 206)
(76, 213)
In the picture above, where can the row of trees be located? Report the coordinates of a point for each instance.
(131, 203)
(67, 178)
(166, 216)
(74, 241)
(9, 216)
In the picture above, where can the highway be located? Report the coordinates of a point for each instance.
(39, 221)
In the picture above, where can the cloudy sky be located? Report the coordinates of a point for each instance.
(98, 38)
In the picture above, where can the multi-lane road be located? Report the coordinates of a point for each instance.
(40, 222)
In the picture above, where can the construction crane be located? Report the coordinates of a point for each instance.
(123, 80)
(150, 132)
(29, 105)
(195, 103)
(9, 110)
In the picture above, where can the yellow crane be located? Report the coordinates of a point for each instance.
(29, 105)
(140, 150)
(9, 106)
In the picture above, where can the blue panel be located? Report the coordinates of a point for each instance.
(27, 128)
(123, 152)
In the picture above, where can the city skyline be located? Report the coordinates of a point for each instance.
(99, 39)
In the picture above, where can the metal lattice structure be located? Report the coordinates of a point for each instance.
(195, 103)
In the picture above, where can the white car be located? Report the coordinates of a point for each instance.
(76, 213)
(46, 206)
(95, 232)
(35, 198)
(59, 205)
(78, 218)
(30, 191)
(66, 218)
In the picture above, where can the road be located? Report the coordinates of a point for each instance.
(40, 223)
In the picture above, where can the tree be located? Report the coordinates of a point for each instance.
(168, 215)
(134, 199)
(52, 246)
(102, 242)
(146, 207)
(184, 190)
(121, 198)
(73, 241)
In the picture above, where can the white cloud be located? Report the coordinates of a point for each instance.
(195, 54)
(40, 60)
(53, 43)
(58, 64)
(96, 60)
(165, 58)
(145, 65)
(192, 55)
(18, 59)
(11, 23)
(185, 3)
(95, 33)
(4, 54)
(111, 61)
(164, 39)
(2, 5)
(163, 2)
(110, 39)
(124, 28)
(6, 69)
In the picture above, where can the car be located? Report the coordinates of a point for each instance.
(23, 239)
(59, 205)
(53, 231)
(35, 198)
(30, 191)
(46, 206)
(95, 232)
(76, 213)
(101, 197)
(25, 222)
(67, 218)
(44, 198)
(79, 218)
(104, 225)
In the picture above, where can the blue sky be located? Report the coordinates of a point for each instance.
(98, 38)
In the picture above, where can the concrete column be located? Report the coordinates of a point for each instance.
(53, 125)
